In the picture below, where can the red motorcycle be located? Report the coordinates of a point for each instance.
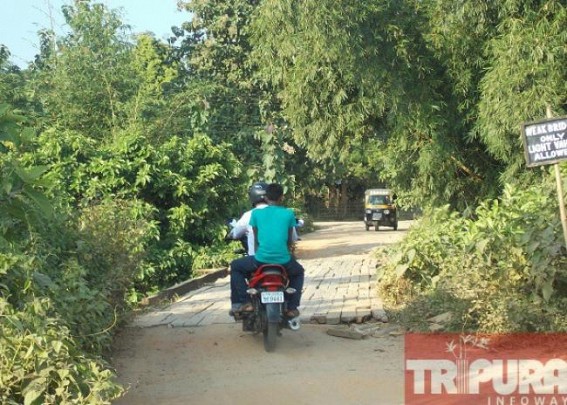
(269, 290)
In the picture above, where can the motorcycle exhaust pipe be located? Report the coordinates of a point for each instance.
(294, 323)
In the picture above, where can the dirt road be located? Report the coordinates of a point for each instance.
(219, 364)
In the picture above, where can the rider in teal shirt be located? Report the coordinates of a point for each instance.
(273, 234)
(273, 228)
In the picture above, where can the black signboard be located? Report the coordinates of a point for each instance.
(545, 142)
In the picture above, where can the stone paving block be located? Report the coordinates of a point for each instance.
(333, 318)
(364, 288)
(339, 289)
(318, 318)
(377, 307)
(345, 333)
(363, 314)
(191, 319)
(192, 294)
(315, 277)
(217, 313)
(380, 315)
(151, 319)
(320, 301)
(348, 316)
(348, 311)
(363, 305)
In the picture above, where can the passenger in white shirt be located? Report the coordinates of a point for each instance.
(257, 195)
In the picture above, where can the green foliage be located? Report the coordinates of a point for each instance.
(20, 199)
(145, 149)
(53, 323)
(429, 93)
(84, 85)
(150, 108)
(318, 56)
(186, 187)
(127, 127)
(502, 270)
(217, 256)
(525, 75)
(218, 41)
(81, 307)
(12, 80)
(240, 108)
(39, 362)
(350, 77)
(112, 243)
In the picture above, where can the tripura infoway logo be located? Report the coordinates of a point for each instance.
(520, 369)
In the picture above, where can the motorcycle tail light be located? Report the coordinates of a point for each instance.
(273, 280)
(252, 291)
(290, 290)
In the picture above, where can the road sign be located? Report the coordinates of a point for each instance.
(545, 142)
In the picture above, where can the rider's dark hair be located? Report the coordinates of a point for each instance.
(274, 191)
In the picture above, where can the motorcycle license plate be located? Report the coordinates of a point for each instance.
(270, 297)
(377, 216)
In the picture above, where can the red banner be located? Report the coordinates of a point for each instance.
(516, 369)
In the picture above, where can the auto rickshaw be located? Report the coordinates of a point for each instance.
(379, 209)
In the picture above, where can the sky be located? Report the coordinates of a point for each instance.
(20, 20)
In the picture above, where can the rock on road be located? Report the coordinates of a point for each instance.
(191, 352)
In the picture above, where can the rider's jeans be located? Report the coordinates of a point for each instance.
(242, 268)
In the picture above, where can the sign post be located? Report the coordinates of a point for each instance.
(545, 142)
(561, 202)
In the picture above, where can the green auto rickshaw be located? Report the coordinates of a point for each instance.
(379, 209)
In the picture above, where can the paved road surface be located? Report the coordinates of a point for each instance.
(340, 282)
(191, 352)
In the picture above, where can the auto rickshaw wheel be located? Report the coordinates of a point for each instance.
(396, 226)
(367, 227)
(376, 227)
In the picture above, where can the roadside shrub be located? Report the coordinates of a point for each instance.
(184, 186)
(86, 266)
(217, 256)
(501, 270)
(414, 266)
(112, 241)
(39, 362)
(53, 323)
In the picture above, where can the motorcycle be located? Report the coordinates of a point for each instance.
(269, 290)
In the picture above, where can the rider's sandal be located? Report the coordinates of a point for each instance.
(292, 313)
(239, 308)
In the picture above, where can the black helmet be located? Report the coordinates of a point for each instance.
(257, 192)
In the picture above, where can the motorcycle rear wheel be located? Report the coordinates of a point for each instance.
(270, 335)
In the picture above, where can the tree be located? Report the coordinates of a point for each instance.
(84, 85)
(525, 73)
(408, 80)
(12, 82)
(504, 60)
(351, 78)
(240, 110)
